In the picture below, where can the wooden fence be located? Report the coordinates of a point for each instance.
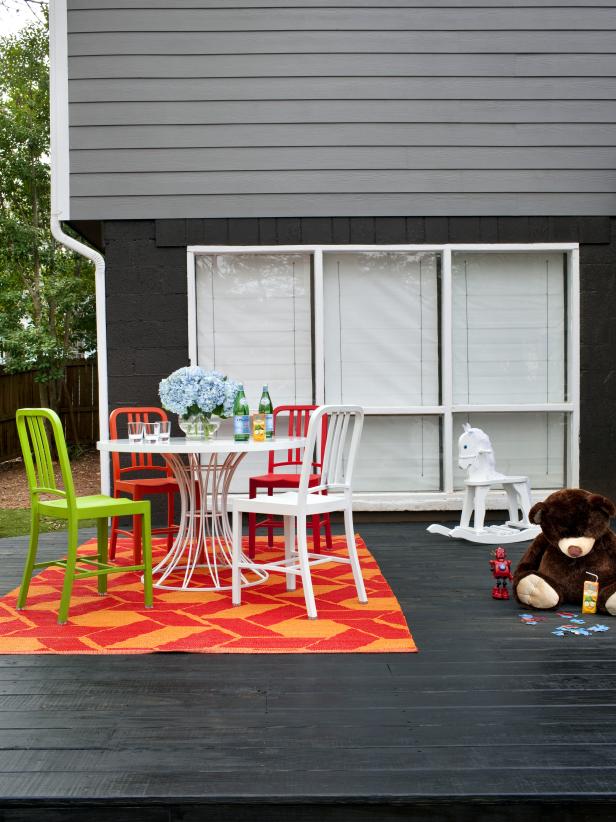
(21, 391)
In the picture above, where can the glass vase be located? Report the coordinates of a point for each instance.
(199, 426)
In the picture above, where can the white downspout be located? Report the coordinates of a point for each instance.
(60, 204)
(101, 337)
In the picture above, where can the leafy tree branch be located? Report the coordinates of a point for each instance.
(47, 311)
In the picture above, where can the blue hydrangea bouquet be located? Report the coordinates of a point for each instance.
(200, 398)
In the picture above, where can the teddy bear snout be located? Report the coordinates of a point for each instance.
(576, 547)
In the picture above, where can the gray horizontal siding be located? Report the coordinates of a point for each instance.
(341, 107)
(363, 42)
(198, 89)
(382, 112)
(336, 19)
(351, 205)
(315, 136)
(87, 5)
(204, 67)
(154, 184)
(174, 159)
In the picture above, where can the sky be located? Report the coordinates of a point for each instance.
(12, 20)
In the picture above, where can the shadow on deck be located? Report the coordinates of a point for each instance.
(493, 719)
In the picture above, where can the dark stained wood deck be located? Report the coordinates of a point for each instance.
(493, 719)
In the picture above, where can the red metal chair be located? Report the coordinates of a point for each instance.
(160, 482)
(298, 419)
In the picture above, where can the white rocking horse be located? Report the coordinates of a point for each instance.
(476, 457)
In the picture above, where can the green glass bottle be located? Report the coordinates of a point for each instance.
(265, 407)
(241, 417)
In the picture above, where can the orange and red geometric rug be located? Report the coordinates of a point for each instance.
(270, 619)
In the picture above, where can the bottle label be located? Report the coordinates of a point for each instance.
(269, 425)
(241, 425)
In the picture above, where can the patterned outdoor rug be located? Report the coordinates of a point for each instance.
(270, 619)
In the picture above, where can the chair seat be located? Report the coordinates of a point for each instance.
(95, 505)
(154, 485)
(287, 503)
(282, 480)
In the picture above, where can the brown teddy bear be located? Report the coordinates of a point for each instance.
(575, 538)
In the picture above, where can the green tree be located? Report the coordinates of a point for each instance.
(47, 311)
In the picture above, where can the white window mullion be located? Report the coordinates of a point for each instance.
(192, 310)
(573, 360)
(447, 370)
(319, 342)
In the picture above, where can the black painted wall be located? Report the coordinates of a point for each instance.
(147, 302)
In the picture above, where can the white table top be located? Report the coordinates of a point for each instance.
(181, 445)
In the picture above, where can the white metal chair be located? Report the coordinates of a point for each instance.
(332, 494)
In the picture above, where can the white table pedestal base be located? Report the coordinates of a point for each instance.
(202, 547)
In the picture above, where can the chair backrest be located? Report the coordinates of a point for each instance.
(344, 425)
(118, 427)
(297, 426)
(33, 425)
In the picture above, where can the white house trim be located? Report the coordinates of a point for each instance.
(58, 109)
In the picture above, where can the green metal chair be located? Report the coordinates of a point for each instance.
(35, 446)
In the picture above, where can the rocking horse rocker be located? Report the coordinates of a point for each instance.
(476, 457)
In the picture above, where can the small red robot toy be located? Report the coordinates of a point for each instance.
(501, 571)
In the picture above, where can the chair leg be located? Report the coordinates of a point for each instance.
(252, 524)
(146, 530)
(236, 551)
(352, 549)
(137, 534)
(170, 519)
(252, 534)
(302, 550)
(316, 534)
(113, 542)
(102, 537)
(270, 530)
(328, 532)
(289, 545)
(30, 560)
(69, 572)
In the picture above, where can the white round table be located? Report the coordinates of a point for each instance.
(202, 547)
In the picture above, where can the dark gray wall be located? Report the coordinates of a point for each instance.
(341, 107)
(147, 301)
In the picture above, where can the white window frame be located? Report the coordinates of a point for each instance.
(448, 498)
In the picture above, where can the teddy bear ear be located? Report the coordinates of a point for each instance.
(603, 504)
(534, 514)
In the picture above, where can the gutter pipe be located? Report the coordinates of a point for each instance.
(101, 336)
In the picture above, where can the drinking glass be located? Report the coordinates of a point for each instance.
(165, 430)
(135, 431)
(151, 431)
